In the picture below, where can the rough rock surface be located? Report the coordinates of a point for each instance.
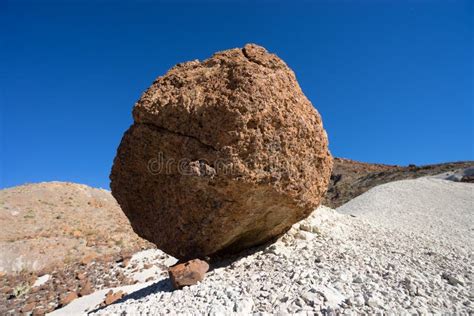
(188, 273)
(223, 154)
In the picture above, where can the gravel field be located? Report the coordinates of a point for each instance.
(337, 263)
(440, 209)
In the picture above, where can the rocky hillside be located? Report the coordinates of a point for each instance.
(352, 178)
(70, 233)
(46, 225)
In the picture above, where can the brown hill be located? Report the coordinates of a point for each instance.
(352, 178)
(46, 225)
(71, 233)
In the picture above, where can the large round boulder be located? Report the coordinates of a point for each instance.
(224, 154)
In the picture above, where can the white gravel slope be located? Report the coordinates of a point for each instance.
(440, 209)
(333, 262)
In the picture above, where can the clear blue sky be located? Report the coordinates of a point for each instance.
(393, 80)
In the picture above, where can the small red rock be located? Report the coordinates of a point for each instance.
(87, 259)
(188, 273)
(112, 297)
(125, 262)
(39, 311)
(124, 259)
(30, 299)
(6, 290)
(71, 296)
(81, 275)
(28, 307)
(86, 289)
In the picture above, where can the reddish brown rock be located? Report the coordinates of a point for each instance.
(223, 154)
(86, 289)
(125, 262)
(112, 297)
(6, 290)
(39, 311)
(68, 298)
(88, 259)
(28, 307)
(188, 273)
(124, 259)
(81, 275)
(31, 299)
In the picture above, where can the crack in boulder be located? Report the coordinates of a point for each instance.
(166, 130)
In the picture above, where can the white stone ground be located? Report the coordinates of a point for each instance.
(417, 261)
(440, 209)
